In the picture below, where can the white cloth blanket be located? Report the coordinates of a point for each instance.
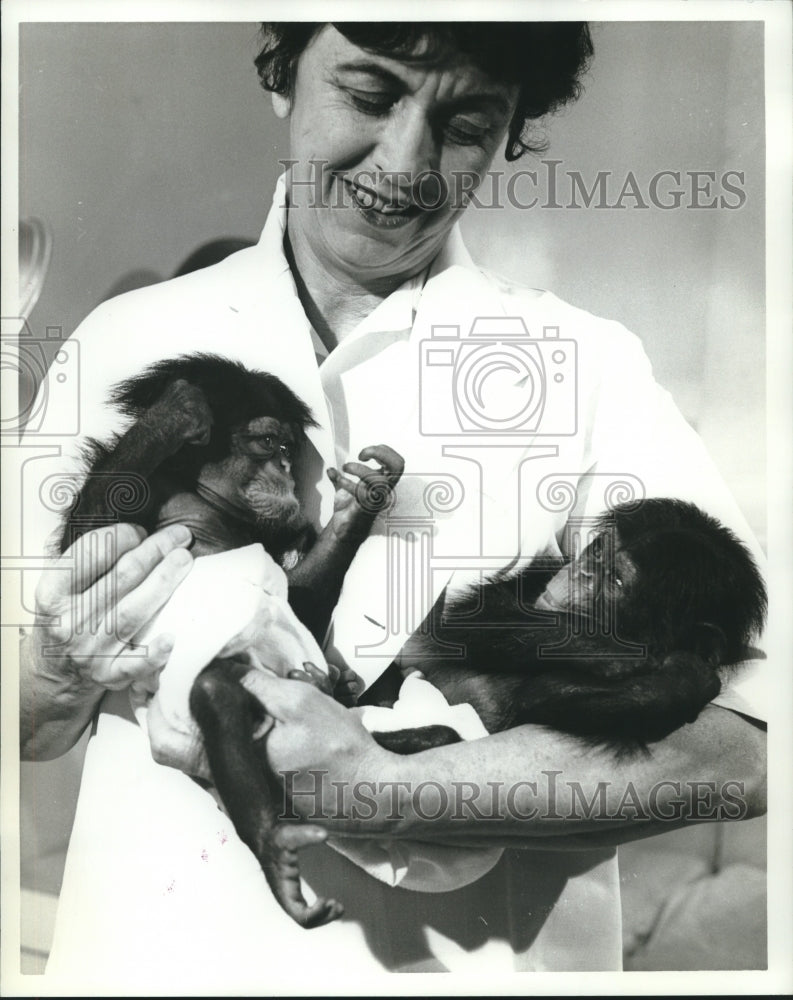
(230, 604)
(422, 867)
(235, 604)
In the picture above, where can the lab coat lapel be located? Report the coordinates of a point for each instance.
(392, 584)
(273, 334)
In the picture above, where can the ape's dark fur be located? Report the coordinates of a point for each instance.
(234, 394)
(198, 416)
(693, 570)
(619, 675)
(619, 669)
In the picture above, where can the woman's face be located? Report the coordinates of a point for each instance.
(394, 145)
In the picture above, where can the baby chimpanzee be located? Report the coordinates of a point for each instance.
(620, 647)
(211, 446)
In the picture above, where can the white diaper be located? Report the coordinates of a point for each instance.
(235, 604)
(230, 604)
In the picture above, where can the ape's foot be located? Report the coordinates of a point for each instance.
(283, 876)
(314, 676)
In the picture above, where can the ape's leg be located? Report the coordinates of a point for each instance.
(402, 741)
(180, 416)
(407, 741)
(227, 715)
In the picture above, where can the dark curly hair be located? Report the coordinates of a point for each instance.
(544, 58)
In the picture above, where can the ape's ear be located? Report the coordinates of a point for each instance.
(709, 642)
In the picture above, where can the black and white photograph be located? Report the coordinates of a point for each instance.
(396, 446)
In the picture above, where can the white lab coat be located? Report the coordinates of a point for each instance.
(158, 893)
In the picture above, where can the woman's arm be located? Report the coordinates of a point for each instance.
(516, 788)
(90, 605)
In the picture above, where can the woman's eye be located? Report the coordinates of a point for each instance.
(465, 132)
(372, 102)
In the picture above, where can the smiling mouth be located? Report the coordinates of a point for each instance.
(380, 211)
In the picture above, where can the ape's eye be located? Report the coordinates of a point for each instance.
(286, 451)
(617, 581)
(262, 444)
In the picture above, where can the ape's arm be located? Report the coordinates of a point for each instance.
(316, 582)
(628, 712)
(180, 416)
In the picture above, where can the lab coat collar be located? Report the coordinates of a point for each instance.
(461, 279)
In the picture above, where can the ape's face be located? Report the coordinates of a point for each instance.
(258, 473)
(603, 575)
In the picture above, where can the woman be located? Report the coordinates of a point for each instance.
(390, 131)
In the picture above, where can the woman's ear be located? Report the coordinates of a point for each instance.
(282, 105)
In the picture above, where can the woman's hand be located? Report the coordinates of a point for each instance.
(315, 742)
(90, 605)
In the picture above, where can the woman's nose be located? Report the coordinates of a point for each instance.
(407, 149)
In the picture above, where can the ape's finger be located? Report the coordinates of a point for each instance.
(348, 676)
(293, 836)
(391, 460)
(364, 472)
(314, 677)
(315, 672)
(341, 482)
(345, 696)
(323, 911)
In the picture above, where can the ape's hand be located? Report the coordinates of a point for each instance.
(184, 409)
(359, 500)
(341, 683)
(98, 596)
(348, 686)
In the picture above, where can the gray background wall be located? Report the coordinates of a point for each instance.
(139, 142)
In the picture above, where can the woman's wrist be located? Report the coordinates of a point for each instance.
(55, 704)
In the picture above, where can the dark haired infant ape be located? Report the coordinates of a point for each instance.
(621, 646)
(211, 446)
